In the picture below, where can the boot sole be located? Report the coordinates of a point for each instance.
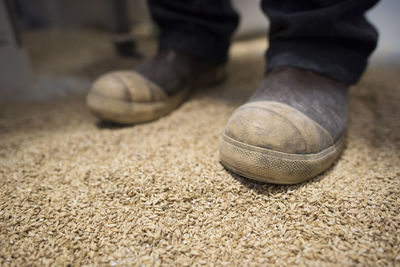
(128, 112)
(275, 167)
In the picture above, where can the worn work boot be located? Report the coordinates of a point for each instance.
(290, 130)
(156, 88)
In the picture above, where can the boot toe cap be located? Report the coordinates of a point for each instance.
(127, 86)
(278, 127)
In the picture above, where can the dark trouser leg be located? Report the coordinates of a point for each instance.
(200, 27)
(329, 37)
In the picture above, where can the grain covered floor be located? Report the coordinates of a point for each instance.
(73, 191)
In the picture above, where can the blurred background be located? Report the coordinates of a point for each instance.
(55, 48)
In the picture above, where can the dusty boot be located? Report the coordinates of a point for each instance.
(290, 130)
(156, 88)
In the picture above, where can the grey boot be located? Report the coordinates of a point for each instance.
(156, 88)
(290, 130)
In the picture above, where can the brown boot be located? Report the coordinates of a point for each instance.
(290, 130)
(156, 88)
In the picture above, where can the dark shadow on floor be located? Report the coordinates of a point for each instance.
(110, 125)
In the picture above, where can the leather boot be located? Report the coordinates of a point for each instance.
(154, 89)
(291, 129)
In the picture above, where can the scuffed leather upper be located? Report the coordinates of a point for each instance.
(164, 75)
(322, 99)
(293, 111)
(277, 126)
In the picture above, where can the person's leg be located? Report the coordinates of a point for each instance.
(293, 126)
(199, 27)
(329, 37)
(193, 46)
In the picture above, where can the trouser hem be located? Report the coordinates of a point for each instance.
(332, 61)
(210, 49)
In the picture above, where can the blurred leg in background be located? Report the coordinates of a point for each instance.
(193, 47)
(200, 27)
(120, 27)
